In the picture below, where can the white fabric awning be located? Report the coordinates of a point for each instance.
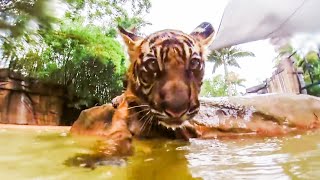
(250, 20)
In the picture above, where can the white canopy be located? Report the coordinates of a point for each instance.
(250, 20)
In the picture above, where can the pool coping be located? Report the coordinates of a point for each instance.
(31, 127)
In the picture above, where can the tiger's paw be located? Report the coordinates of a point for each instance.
(117, 143)
(117, 100)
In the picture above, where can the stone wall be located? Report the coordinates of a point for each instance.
(28, 101)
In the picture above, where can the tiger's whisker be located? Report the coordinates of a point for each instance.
(150, 127)
(139, 112)
(144, 116)
(143, 105)
(145, 122)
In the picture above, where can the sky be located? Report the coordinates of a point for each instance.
(187, 15)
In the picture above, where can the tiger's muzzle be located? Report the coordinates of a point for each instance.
(177, 104)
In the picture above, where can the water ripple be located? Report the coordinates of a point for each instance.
(272, 158)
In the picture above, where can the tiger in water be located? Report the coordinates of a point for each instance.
(161, 96)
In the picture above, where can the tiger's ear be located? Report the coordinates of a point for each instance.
(131, 40)
(203, 33)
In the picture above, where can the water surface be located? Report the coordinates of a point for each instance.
(51, 154)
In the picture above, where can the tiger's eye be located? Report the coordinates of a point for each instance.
(151, 65)
(195, 64)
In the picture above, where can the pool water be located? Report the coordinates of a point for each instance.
(53, 154)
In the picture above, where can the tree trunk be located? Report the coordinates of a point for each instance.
(226, 75)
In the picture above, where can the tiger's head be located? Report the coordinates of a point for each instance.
(166, 71)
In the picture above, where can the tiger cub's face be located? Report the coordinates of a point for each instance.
(166, 71)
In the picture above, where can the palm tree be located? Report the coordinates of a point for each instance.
(227, 57)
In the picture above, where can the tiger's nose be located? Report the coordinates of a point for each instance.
(176, 106)
(175, 114)
(175, 98)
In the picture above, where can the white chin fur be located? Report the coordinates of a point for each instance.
(173, 126)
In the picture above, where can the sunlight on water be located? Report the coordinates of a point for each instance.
(48, 154)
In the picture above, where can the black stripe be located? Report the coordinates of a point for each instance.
(141, 56)
(169, 42)
(135, 69)
(179, 50)
(162, 51)
(150, 55)
(166, 51)
(188, 42)
(151, 41)
(190, 52)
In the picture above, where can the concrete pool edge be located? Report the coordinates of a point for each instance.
(34, 127)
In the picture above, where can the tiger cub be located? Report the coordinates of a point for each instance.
(163, 83)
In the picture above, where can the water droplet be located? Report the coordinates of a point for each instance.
(297, 136)
(64, 134)
(149, 159)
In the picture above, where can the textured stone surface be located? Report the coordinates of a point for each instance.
(270, 114)
(28, 101)
(265, 115)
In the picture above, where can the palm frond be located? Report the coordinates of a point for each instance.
(216, 66)
(234, 63)
(228, 55)
(241, 54)
(214, 56)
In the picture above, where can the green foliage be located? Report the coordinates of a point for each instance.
(214, 87)
(85, 60)
(312, 57)
(16, 15)
(80, 51)
(310, 65)
(99, 8)
(109, 13)
(312, 73)
(90, 82)
(23, 18)
(314, 90)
